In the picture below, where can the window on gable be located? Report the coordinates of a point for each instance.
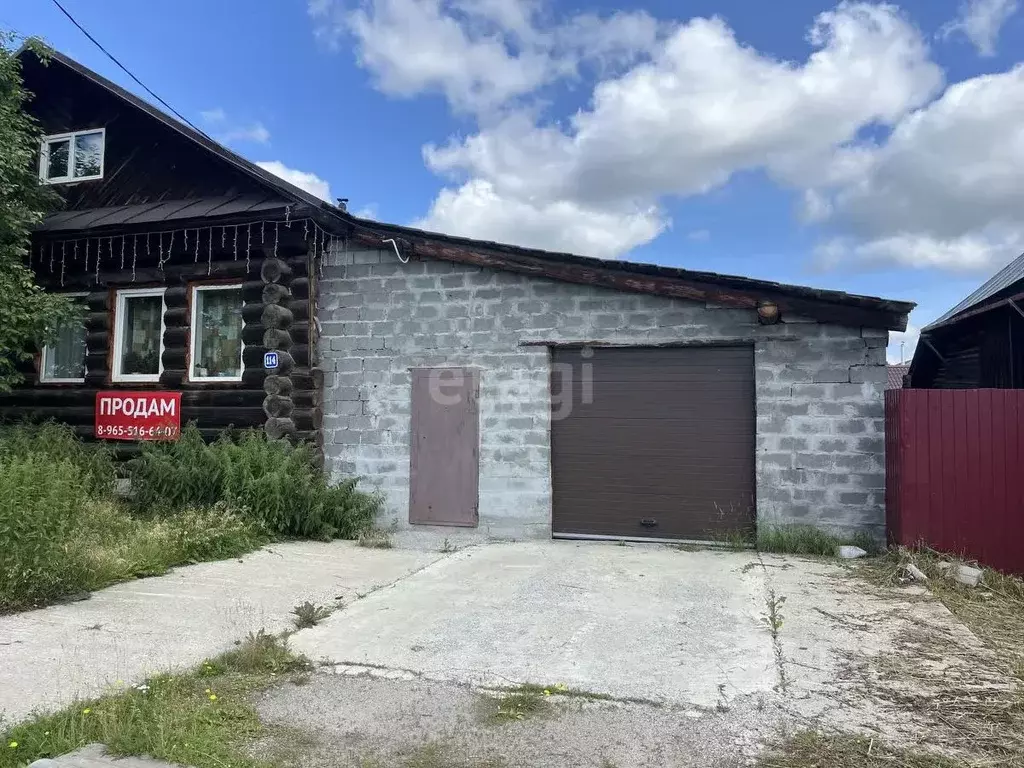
(72, 157)
(63, 362)
(216, 352)
(139, 335)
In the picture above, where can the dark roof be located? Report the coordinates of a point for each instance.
(270, 180)
(156, 212)
(896, 374)
(1004, 278)
(825, 305)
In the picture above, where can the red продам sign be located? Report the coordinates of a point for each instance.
(138, 415)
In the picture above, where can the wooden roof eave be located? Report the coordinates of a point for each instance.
(888, 315)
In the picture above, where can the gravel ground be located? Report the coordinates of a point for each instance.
(369, 722)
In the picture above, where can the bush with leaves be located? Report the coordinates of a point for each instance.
(29, 316)
(279, 484)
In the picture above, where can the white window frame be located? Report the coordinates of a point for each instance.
(44, 156)
(119, 316)
(48, 350)
(193, 337)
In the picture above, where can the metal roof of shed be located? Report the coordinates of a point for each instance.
(1004, 278)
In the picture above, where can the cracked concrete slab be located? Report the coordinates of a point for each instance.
(51, 656)
(359, 722)
(636, 622)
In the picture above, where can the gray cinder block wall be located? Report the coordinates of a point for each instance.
(820, 412)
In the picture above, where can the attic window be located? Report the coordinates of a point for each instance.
(74, 156)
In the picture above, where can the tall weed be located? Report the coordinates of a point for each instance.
(40, 500)
(278, 484)
(59, 443)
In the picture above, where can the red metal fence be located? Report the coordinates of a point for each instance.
(955, 472)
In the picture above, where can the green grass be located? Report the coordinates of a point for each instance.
(102, 544)
(511, 704)
(63, 532)
(58, 443)
(559, 689)
(375, 538)
(808, 540)
(203, 718)
(810, 749)
(309, 614)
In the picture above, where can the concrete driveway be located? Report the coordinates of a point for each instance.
(639, 622)
(51, 656)
(685, 649)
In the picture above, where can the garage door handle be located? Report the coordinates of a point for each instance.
(648, 522)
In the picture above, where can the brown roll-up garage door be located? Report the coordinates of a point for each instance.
(653, 442)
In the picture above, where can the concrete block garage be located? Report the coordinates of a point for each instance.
(584, 398)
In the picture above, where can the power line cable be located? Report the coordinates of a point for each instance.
(125, 69)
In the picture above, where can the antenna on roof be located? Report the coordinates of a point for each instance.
(343, 203)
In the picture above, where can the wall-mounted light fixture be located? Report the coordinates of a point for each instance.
(768, 313)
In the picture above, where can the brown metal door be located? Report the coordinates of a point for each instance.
(653, 442)
(444, 456)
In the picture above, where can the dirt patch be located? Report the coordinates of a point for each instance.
(366, 722)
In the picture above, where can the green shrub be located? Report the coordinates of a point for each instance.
(279, 485)
(40, 499)
(60, 443)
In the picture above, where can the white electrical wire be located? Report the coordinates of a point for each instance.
(395, 246)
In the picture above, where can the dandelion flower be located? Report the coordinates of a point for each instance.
(547, 692)
(213, 697)
(13, 745)
(86, 711)
(208, 691)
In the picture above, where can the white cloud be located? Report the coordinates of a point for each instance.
(301, 179)
(676, 109)
(980, 22)
(945, 190)
(256, 133)
(479, 54)
(700, 108)
(476, 210)
(230, 132)
(368, 211)
(216, 115)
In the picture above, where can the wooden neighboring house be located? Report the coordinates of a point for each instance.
(478, 384)
(979, 343)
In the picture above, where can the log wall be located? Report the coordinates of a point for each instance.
(215, 406)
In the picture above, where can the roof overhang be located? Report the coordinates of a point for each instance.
(835, 307)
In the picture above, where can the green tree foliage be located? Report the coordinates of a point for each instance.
(28, 316)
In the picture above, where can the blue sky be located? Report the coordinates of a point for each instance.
(865, 147)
